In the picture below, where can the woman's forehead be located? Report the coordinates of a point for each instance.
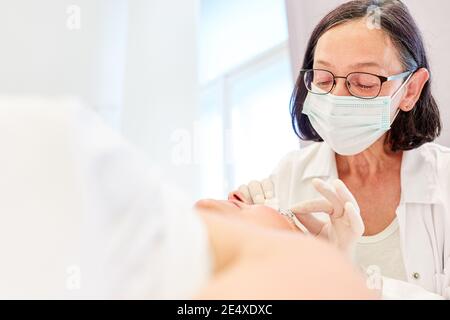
(353, 46)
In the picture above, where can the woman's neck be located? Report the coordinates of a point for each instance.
(377, 159)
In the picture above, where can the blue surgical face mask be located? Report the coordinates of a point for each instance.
(350, 125)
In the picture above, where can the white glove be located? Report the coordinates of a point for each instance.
(345, 226)
(256, 192)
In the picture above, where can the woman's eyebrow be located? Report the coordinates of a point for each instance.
(322, 62)
(365, 64)
(355, 66)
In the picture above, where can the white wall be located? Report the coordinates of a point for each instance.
(431, 17)
(161, 83)
(41, 55)
(133, 61)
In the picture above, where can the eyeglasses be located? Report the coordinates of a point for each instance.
(360, 84)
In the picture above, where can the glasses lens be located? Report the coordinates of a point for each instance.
(364, 85)
(319, 81)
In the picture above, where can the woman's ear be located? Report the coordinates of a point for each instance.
(414, 89)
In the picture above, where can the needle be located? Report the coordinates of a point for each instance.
(291, 216)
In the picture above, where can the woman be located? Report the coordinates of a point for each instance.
(364, 98)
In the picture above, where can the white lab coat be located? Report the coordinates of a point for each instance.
(82, 216)
(423, 213)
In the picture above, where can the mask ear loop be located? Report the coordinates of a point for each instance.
(399, 89)
(395, 116)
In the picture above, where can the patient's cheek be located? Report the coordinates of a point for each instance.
(264, 210)
(270, 217)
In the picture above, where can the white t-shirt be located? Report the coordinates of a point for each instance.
(382, 251)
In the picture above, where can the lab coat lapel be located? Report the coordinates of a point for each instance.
(419, 228)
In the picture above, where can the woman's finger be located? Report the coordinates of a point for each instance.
(343, 192)
(328, 191)
(354, 218)
(304, 211)
(256, 192)
(312, 206)
(267, 186)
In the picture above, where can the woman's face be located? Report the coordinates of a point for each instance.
(353, 47)
(256, 214)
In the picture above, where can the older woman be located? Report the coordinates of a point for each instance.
(364, 98)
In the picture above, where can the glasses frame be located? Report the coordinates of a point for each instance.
(383, 79)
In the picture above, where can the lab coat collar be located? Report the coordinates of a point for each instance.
(323, 165)
(418, 173)
(419, 176)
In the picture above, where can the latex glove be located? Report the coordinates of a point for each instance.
(256, 192)
(345, 225)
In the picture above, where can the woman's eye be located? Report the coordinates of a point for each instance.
(323, 83)
(365, 86)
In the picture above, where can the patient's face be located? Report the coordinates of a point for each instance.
(256, 214)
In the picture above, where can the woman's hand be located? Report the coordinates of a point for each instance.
(256, 192)
(345, 226)
(259, 215)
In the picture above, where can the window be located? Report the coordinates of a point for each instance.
(246, 79)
